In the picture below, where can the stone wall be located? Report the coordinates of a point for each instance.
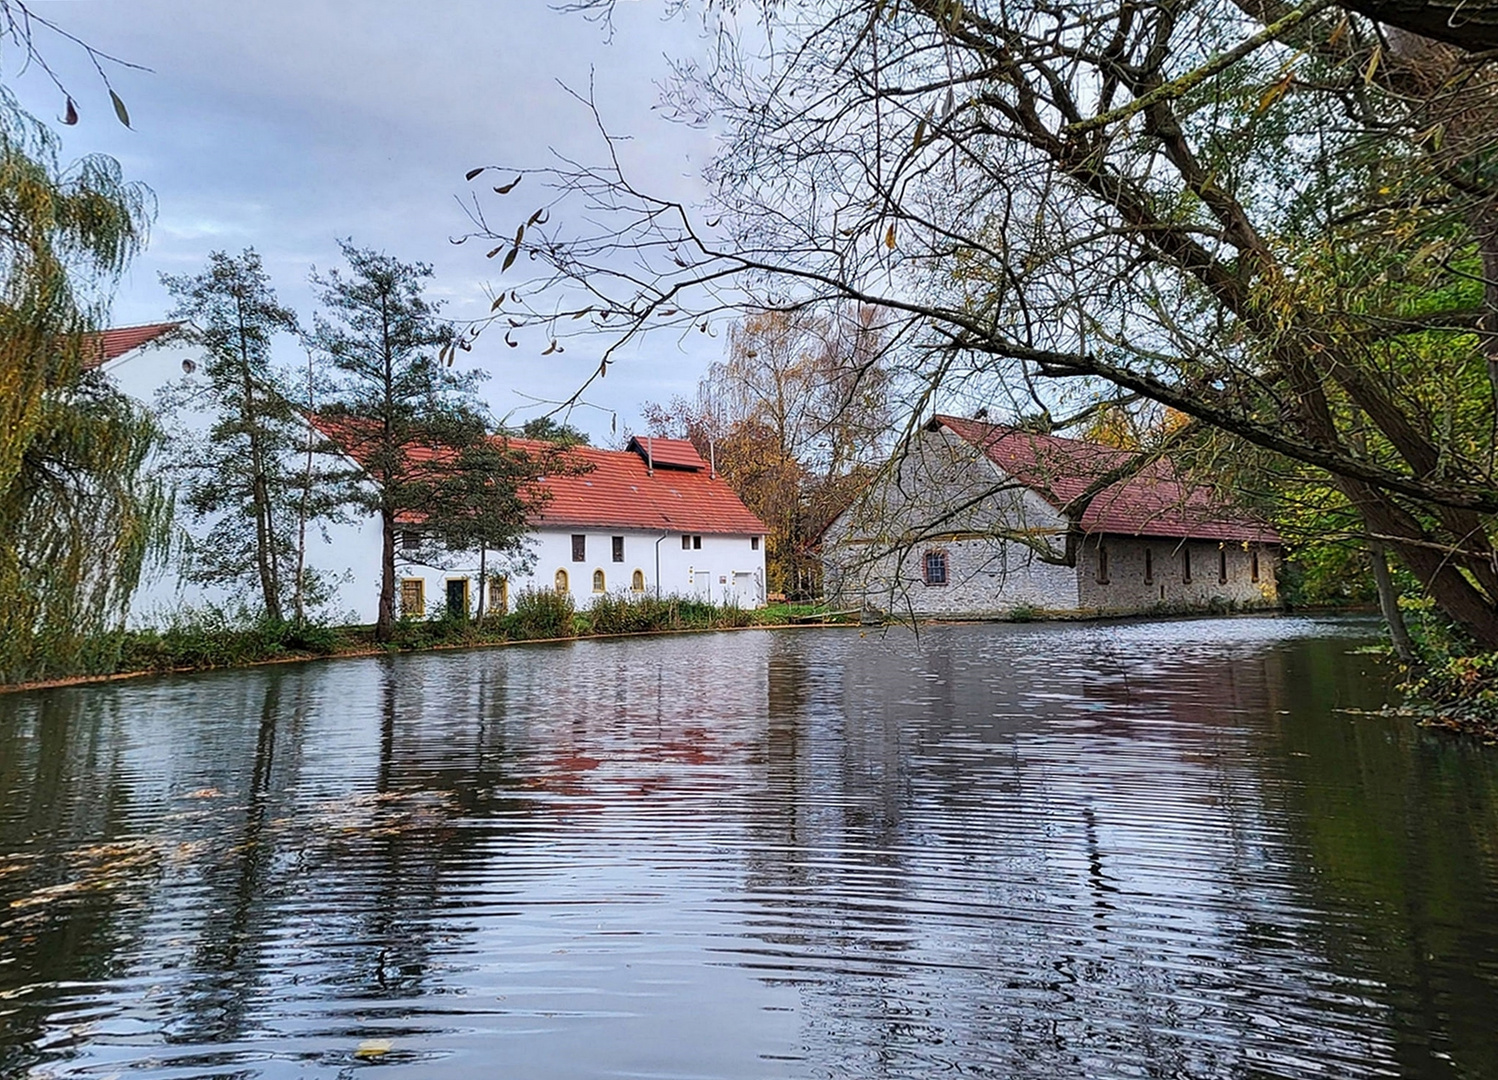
(1150, 572)
(1001, 542)
(943, 495)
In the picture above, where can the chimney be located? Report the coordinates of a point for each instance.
(712, 458)
(649, 455)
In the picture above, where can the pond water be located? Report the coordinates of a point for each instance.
(1169, 849)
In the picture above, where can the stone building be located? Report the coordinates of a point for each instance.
(977, 520)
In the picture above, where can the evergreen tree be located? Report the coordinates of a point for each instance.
(415, 425)
(242, 473)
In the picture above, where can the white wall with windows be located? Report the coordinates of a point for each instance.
(587, 563)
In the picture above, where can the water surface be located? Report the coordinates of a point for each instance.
(1040, 851)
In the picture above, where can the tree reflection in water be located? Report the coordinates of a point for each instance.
(1017, 851)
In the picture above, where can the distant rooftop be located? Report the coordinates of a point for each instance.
(115, 342)
(1155, 501)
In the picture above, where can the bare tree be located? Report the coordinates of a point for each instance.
(1279, 221)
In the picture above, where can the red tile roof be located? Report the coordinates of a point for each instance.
(619, 492)
(613, 489)
(668, 453)
(117, 341)
(1156, 501)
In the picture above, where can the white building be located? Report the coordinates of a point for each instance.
(652, 519)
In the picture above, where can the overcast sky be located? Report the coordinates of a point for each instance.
(285, 125)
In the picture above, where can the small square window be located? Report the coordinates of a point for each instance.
(618, 549)
(686, 542)
(410, 540)
(697, 542)
(754, 543)
(579, 548)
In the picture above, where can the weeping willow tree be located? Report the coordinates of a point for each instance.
(79, 514)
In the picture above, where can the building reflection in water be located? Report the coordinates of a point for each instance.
(1017, 851)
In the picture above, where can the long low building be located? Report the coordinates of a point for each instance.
(979, 520)
(652, 519)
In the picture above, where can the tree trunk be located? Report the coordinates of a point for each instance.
(385, 622)
(1388, 603)
(483, 579)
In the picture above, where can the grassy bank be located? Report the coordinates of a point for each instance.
(206, 640)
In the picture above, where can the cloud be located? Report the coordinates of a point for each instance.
(285, 125)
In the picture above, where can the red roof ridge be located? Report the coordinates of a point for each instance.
(1155, 501)
(617, 490)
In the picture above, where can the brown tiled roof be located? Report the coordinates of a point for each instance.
(1156, 501)
(117, 341)
(613, 489)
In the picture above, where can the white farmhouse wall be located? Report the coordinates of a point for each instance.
(724, 569)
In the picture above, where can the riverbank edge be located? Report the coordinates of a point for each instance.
(375, 650)
(800, 623)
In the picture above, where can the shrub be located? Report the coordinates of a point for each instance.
(541, 613)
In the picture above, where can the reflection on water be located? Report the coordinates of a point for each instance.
(1049, 851)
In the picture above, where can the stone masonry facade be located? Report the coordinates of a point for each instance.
(1000, 548)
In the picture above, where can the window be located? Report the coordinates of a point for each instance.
(598, 585)
(1222, 565)
(1149, 567)
(754, 543)
(499, 595)
(1102, 564)
(561, 581)
(637, 581)
(579, 548)
(1186, 564)
(686, 542)
(1254, 565)
(936, 568)
(697, 543)
(618, 549)
(413, 598)
(410, 539)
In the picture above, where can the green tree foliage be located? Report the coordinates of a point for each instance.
(546, 429)
(414, 423)
(242, 476)
(78, 515)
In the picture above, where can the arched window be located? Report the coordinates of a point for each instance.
(598, 585)
(1149, 567)
(935, 568)
(637, 581)
(561, 581)
(1255, 566)
(1186, 563)
(1222, 565)
(1102, 564)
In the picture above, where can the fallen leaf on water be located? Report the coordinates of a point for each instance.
(373, 1048)
(204, 793)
